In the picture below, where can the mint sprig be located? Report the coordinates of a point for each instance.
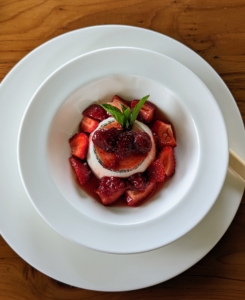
(126, 117)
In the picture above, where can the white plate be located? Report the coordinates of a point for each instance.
(54, 114)
(43, 248)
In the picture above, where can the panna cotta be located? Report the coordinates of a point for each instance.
(134, 163)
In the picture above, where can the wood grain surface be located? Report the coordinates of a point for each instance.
(216, 31)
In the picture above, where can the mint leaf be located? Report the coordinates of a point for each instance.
(111, 109)
(126, 117)
(137, 108)
(116, 113)
(127, 113)
(123, 107)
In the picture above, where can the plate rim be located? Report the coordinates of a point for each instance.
(78, 279)
(94, 228)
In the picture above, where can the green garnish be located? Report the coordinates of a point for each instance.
(126, 117)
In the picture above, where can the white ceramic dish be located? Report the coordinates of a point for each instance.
(36, 242)
(54, 114)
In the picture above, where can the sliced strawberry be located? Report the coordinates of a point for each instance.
(164, 134)
(79, 145)
(107, 159)
(88, 124)
(110, 189)
(81, 169)
(135, 197)
(96, 112)
(147, 111)
(166, 156)
(156, 172)
(137, 182)
(118, 102)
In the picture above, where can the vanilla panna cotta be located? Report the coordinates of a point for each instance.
(127, 166)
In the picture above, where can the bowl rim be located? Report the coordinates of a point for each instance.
(93, 225)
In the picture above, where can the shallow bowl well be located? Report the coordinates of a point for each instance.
(52, 118)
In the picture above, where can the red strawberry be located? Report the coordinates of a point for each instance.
(137, 182)
(125, 144)
(164, 134)
(81, 169)
(142, 142)
(147, 111)
(110, 189)
(96, 112)
(79, 145)
(88, 125)
(134, 197)
(156, 172)
(118, 102)
(107, 159)
(106, 139)
(166, 156)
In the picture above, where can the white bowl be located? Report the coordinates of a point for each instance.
(52, 118)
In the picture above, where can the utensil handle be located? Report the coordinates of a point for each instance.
(237, 165)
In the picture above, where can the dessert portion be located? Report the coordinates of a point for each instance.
(122, 150)
(114, 152)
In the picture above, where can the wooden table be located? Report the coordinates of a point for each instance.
(216, 31)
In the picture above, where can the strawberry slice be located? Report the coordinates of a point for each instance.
(107, 159)
(88, 124)
(147, 111)
(164, 134)
(166, 156)
(96, 112)
(81, 169)
(137, 182)
(118, 102)
(79, 145)
(110, 189)
(135, 197)
(156, 172)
